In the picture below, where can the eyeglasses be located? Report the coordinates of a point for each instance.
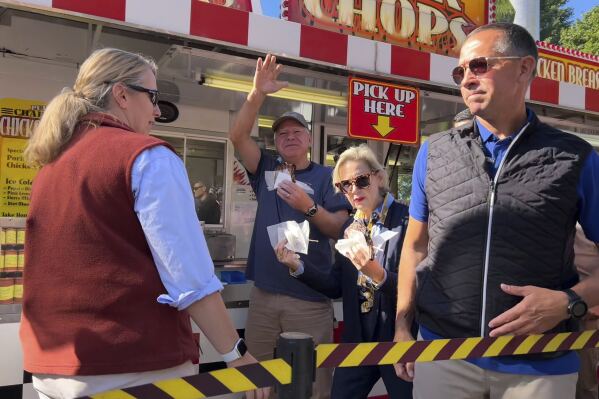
(197, 187)
(477, 66)
(361, 181)
(153, 94)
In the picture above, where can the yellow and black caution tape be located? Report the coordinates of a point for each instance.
(382, 353)
(278, 371)
(219, 382)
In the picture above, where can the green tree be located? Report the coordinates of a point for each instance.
(555, 17)
(404, 187)
(504, 11)
(584, 34)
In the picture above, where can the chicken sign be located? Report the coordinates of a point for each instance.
(383, 111)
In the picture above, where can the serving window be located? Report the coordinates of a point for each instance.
(205, 160)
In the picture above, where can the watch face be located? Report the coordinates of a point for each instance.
(312, 211)
(242, 348)
(578, 309)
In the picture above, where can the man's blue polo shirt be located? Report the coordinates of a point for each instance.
(588, 211)
(263, 267)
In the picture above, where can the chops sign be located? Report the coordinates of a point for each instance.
(383, 111)
(438, 26)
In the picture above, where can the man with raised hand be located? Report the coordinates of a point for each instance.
(278, 302)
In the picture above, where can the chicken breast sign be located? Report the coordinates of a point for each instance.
(383, 111)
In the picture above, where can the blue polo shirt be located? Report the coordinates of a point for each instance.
(263, 267)
(588, 215)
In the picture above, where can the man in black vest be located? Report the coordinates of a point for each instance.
(492, 221)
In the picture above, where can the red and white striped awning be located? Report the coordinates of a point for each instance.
(265, 34)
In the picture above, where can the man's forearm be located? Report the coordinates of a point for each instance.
(588, 289)
(406, 287)
(329, 223)
(415, 249)
(242, 129)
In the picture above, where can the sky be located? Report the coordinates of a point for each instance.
(272, 8)
(582, 6)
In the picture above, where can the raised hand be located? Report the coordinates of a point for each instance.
(267, 72)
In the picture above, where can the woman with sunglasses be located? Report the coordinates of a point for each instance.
(366, 278)
(117, 262)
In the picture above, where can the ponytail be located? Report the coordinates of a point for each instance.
(56, 127)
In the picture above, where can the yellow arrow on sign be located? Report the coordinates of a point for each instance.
(383, 126)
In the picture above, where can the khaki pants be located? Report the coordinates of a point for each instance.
(458, 379)
(587, 376)
(271, 314)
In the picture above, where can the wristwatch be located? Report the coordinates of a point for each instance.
(577, 308)
(238, 351)
(311, 211)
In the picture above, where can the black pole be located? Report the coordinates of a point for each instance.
(387, 155)
(297, 349)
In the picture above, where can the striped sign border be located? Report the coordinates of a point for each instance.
(195, 18)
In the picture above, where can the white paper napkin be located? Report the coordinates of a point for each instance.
(275, 178)
(297, 235)
(355, 240)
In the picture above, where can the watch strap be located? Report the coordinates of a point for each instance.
(238, 351)
(312, 210)
(572, 295)
(573, 300)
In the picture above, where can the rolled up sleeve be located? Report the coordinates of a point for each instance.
(165, 208)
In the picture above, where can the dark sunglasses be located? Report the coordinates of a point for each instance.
(362, 181)
(477, 66)
(153, 94)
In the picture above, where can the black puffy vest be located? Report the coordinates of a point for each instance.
(529, 235)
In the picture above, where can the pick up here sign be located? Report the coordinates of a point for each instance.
(383, 111)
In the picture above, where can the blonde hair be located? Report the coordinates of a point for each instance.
(90, 93)
(362, 153)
